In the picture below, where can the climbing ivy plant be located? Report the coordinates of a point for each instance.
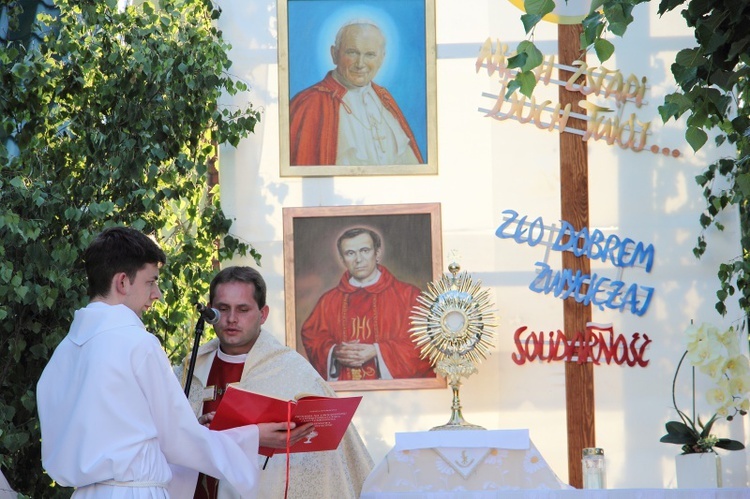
(107, 117)
(714, 95)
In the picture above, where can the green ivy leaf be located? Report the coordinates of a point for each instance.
(517, 61)
(539, 7)
(604, 49)
(696, 137)
(743, 184)
(593, 27)
(721, 308)
(618, 28)
(529, 21)
(534, 56)
(690, 58)
(523, 81)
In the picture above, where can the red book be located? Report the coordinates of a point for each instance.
(330, 415)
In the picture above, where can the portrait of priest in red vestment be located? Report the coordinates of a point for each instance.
(346, 118)
(359, 330)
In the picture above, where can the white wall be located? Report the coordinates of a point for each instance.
(485, 167)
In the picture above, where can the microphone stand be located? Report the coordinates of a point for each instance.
(196, 343)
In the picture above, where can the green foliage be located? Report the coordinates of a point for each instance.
(604, 49)
(714, 93)
(535, 11)
(696, 439)
(527, 57)
(112, 118)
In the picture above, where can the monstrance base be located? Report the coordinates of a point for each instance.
(458, 426)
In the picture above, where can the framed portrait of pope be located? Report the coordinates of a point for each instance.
(352, 276)
(357, 87)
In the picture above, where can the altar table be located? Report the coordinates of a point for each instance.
(490, 464)
(569, 494)
(459, 461)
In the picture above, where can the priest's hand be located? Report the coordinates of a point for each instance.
(206, 419)
(354, 354)
(274, 434)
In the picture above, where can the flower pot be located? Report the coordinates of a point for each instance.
(698, 471)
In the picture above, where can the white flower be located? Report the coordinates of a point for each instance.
(496, 456)
(443, 467)
(695, 333)
(714, 369)
(740, 386)
(723, 411)
(737, 365)
(704, 351)
(533, 461)
(404, 457)
(729, 339)
(718, 355)
(719, 395)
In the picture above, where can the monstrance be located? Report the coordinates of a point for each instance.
(452, 325)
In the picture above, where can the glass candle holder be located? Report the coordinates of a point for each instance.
(594, 468)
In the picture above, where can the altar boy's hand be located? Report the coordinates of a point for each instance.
(274, 434)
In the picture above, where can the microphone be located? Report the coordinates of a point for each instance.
(210, 315)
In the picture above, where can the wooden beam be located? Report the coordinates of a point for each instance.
(574, 200)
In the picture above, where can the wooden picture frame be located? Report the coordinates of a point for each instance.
(410, 252)
(308, 134)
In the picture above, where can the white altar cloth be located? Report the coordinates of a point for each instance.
(734, 493)
(460, 465)
(424, 463)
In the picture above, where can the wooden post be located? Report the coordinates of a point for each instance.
(574, 199)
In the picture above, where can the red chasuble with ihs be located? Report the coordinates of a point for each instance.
(373, 314)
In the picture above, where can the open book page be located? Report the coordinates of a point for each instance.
(330, 415)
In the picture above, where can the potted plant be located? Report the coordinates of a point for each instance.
(716, 354)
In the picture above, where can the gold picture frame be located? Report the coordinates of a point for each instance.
(307, 33)
(410, 251)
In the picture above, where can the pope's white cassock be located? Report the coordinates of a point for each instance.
(116, 424)
(276, 370)
(369, 134)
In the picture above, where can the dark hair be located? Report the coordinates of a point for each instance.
(248, 275)
(115, 250)
(352, 233)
